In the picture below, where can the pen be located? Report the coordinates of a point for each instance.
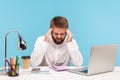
(14, 64)
(18, 60)
(8, 62)
(12, 61)
(17, 63)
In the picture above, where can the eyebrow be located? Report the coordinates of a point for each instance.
(59, 33)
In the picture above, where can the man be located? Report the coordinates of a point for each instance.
(57, 47)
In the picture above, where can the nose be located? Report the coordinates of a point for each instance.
(59, 36)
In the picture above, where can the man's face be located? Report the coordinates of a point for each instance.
(58, 34)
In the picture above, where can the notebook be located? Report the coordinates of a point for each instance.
(58, 68)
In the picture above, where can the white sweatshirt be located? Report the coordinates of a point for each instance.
(47, 54)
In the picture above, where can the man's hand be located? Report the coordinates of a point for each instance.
(47, 36)
(70, 36)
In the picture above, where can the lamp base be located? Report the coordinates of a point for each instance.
(3, 71)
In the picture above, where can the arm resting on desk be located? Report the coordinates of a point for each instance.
(39, 51)
(75, 54)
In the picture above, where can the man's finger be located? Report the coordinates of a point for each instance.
(47, 35)
(70, 36)
(50, 30)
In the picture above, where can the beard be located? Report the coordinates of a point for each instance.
(58, 40)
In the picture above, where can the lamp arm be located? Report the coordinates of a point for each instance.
(11, 32)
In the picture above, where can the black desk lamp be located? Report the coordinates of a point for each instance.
(21, 44)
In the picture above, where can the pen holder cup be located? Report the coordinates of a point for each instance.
(13, 70)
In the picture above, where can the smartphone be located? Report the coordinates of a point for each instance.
(35, 70)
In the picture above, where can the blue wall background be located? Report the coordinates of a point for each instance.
(93, 22)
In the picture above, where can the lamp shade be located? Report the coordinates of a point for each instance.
(21, 43)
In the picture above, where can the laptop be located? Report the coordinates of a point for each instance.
(102, 59)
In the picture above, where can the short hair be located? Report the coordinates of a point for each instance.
(59, 21)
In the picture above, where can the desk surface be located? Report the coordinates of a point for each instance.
(48, 74)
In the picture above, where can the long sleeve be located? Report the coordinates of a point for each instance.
(75, 54)
(39, 51)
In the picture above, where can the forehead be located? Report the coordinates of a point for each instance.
(59, 30)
